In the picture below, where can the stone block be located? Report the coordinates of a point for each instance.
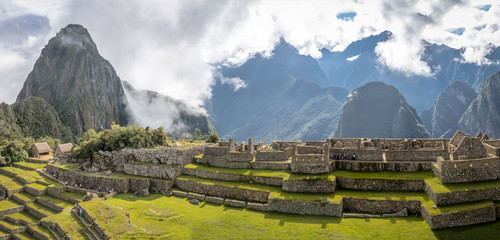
(215, 200)
(235, 203)
(196, 196)
(179, 193)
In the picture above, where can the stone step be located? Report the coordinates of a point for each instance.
(23, 197)
(23, 236)
(22, 218)
(88, 225)
(53, 203)
(11, 228)
(39, 211)
(40, 232)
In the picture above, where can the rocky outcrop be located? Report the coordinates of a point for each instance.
(448, 108)
(380, 111)
(483, 114)
(77, 81)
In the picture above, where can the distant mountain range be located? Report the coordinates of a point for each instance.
(285, 97)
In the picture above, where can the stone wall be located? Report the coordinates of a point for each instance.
(272, 181)
(447, 198)
(380, 206)
(168, 157)
(362, 166)
(121, 185)
(304, 207)
(152, 170)
(381, 184)
(361, 155)
(459, 171)
(462, 218)
(222, 191)
(273, 156)
(311, 164)
(416, 155)
(309, 185)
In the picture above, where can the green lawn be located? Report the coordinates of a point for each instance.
(37, 186)
(437, 186)
(159, 217)
(10, 183)
(8, 204)
(73, 195)
(284, 174)
(47, 211)
(43, 230)
(32, 165)
(56, 201)
(69, 223)
(25, 196)
(24, 216)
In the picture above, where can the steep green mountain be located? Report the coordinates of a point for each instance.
(379, 110)
(483, 114)
(8, 118)
(37, 118)
(448, 108)
(153, 109)
(77, 82)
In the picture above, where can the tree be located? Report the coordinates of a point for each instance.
(213, 138)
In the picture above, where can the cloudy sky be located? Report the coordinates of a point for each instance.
(174, 47)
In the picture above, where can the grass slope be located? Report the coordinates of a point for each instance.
(159, 217)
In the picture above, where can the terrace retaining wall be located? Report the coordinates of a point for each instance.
(222, 191)
(381, 184)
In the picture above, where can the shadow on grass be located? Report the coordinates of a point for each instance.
(304, 219)
(132, 198)
(482, 231)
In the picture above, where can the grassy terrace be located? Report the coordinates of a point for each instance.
(69, 223)
(276, 192)
(24, 236)
(10, 183)
(25, 216)
(9, 225)
(43, 230)
(437, 186)
(31, 176)
(159, 217)
(47, 211)
(31, 165)
(76, 167)
(295, 176)
(73, 195)
(8, 204)
(25, 196)
(56, 201)
(37, 186)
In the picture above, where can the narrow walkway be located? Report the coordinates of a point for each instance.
(89, 227)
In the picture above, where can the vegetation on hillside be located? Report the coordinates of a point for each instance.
(118, 138)
(199, 137)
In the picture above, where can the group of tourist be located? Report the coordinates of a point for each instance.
(344, 156)
(87, 187)
(78, 210)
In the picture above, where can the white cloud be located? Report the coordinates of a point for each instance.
(236, 82)
(174, 47)
(350, 59)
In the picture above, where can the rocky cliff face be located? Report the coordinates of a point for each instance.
(149, 108)
(483, 114)
(449, 107)
(379, 110)
(77, 81)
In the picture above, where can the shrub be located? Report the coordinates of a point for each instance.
(213, 138)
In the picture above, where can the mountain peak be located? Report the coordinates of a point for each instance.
(75, 36)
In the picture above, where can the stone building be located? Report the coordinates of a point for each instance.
(40, 149)
(63, 151)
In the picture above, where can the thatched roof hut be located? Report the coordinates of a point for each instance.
(39, 149)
